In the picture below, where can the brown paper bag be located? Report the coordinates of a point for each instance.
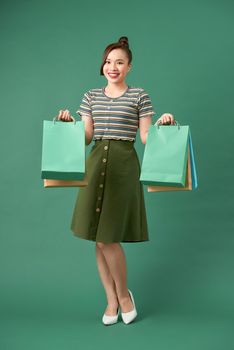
(66, 183)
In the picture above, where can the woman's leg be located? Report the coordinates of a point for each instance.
(108, 283)
(116, 263)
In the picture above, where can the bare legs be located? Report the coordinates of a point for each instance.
(111, 264)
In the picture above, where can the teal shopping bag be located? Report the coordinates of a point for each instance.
(193, 166)
(63, 150)
(165, 156)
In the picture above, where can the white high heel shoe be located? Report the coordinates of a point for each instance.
(107, 320)
(131, 315)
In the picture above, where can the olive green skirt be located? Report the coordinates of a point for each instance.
(111, 207)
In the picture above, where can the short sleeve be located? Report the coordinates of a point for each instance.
(85, 106)
(145, 108)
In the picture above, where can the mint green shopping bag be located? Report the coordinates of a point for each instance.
(165, 156)
(63, 150)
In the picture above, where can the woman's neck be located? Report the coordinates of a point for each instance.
(115, 90)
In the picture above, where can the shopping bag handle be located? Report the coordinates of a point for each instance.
(160, 123)
(74, 120)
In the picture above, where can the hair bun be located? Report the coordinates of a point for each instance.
(123, 41)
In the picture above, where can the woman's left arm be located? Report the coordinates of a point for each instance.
(145, 122)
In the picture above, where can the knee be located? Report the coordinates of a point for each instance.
(100, 245)
(103, 246)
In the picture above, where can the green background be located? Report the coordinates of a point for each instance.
(182, 279)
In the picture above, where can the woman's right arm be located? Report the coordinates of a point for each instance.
(65, 116)
(88, 129)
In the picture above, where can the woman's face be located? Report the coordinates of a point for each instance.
(116, 67)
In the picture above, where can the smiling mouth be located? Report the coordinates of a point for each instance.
(113, 75)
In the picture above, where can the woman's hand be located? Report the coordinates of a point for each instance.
(65, 116)
(166, 119)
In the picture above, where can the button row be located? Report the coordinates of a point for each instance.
(102, 173)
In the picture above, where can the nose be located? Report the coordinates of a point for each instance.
(113, 66)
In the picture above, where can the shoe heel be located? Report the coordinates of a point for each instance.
(128, 317)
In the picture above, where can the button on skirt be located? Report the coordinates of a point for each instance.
(111, 207)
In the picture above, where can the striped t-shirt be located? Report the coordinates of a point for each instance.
(116, 118)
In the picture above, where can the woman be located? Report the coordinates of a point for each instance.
(111, 208)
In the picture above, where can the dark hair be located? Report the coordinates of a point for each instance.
(121, 44)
